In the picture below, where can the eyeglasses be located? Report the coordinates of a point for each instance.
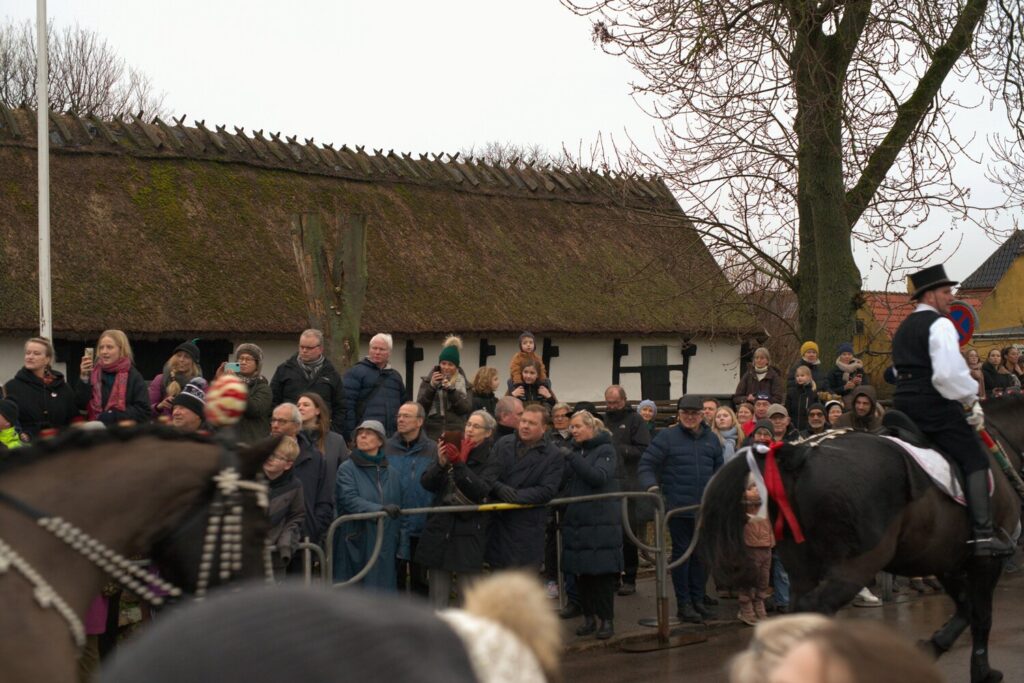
(280, 420)
(309, 348)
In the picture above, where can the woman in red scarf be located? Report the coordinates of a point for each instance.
(112, 390)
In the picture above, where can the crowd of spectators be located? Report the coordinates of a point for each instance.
(353, 443)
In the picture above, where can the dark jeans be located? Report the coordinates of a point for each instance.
(689, 578)
(597, 594)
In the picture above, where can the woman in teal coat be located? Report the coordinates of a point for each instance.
(365, 483)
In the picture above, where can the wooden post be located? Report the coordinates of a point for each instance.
(332, 265)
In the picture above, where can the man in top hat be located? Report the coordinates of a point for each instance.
(935, 388)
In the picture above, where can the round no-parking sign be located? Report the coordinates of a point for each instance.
(965, 320)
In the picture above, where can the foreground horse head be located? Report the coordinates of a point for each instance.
(864, 508)
(141, 492)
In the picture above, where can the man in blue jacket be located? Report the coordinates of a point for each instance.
(373, 391)
(679, 463)
(410, 453)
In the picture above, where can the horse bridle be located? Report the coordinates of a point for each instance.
(223, 529)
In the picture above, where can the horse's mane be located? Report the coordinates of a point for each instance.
(81, 439)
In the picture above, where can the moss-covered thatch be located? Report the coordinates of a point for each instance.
(164, 241)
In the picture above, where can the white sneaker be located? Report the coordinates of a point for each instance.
(552, 587)
(866, 598)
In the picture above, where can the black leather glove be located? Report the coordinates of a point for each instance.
(392, 510)
(504, 493)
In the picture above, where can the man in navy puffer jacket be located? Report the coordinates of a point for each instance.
(680, 462)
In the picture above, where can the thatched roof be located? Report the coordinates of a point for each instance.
(168, 230)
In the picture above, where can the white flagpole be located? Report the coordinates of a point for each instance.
(43, 147)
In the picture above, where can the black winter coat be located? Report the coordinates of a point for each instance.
(483, 402)
(630, 437)
(798, 403)
(535, 472)
(457, 541)
(287, 512)
(317, 489)
(289, 382)
(42, 407)
(136, 400)
(592, 532)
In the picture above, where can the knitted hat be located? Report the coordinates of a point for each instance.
(845, 347)
(9, 409)
(374, 426)
(777, 409)
(647, 403)
(833, 402)
(816, 406)
(193, 396)
(450, 350)
(808, 346)
(526, 335)
(763, 424)
(190, 348)
(254, 351)
(762, 396)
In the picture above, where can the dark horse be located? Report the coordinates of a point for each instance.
(865, 508)
(145, 491)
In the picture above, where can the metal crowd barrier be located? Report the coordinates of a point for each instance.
(658, 550)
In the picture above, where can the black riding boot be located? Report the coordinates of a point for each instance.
(984, 540)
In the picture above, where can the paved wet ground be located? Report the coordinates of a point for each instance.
(704, 662)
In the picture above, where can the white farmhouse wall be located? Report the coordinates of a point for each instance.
(583, 368)
(11, 356)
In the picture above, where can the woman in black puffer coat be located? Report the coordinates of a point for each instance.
(45, 400)
(456, 542)
(592, 532)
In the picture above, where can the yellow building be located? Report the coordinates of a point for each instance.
(999, 284)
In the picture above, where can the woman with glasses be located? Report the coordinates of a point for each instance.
(256, 418)
(454, 543)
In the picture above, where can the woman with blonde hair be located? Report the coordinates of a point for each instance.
(44, 399)
(592, 532)
(181, 368)
(111, 390)
(773, 639)
(727, 428)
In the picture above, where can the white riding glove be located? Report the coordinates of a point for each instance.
(975, 416)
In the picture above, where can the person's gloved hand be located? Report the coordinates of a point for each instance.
(504, 493)
(976, 416)
(450, 452)
(392, 510)
(465, 448)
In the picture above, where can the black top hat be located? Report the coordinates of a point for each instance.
(928, 279)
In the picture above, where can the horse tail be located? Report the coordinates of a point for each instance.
(722, 519)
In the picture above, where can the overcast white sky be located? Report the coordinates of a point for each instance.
(404, 75)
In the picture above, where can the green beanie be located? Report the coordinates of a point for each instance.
(450, 354)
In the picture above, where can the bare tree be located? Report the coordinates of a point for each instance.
(512, 154)
(793, 127)
(86, 74)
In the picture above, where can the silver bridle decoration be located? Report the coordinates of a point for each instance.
(225, 528)
(222, 528)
